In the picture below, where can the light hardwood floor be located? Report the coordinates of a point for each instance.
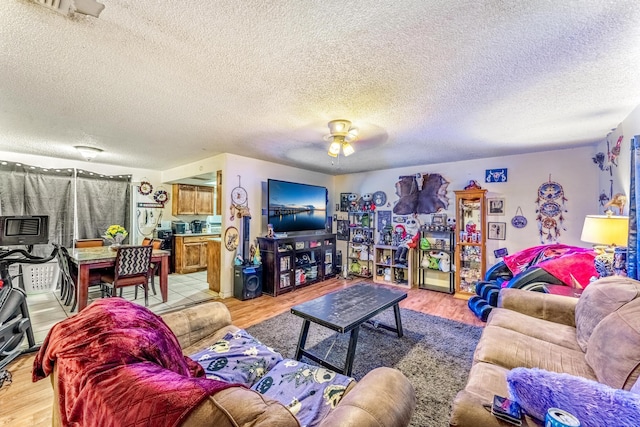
(24, 403)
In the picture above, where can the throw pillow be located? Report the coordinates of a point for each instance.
(593, 403)
(237, 358)
(309, 392)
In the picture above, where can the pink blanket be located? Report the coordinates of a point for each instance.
(118, 364)
(561, 261)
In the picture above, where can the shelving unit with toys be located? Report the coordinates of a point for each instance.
(435, 255)
(470, 245)
(389, 269)
(360, 245)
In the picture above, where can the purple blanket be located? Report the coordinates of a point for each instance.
(120, 364)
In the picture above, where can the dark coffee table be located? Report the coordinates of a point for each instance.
(344, 311)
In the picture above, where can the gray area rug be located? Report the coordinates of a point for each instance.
(434, 354)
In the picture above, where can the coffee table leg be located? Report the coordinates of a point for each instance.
(396, 311)
(303, 338)
(351, 352)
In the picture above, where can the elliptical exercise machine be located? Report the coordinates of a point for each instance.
(15, 322)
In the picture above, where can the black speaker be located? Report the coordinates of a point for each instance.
(247, 281)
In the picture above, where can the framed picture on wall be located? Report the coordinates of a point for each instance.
(497, 230)
(344, 202)
(342, 231)
(495, 206)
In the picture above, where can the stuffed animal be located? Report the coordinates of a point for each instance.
(353, 202)
(451, 222)
(366, 202)
(618, 200)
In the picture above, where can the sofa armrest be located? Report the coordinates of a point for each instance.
(554, 308)
(192, 324)
(384, 397)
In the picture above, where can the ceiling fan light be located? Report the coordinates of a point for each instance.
(347, 149)
(339, 127)
(334, 149)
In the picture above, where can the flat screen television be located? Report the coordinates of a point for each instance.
(24, 230)
(295, 207)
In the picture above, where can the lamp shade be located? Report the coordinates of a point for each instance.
(606, 230)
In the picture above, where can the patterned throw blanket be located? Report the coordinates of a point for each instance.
(119, 364)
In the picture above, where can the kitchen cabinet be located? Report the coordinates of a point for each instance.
(191, 253)
(213, 264)
(192, 200)
(471, 241)
(292, 262)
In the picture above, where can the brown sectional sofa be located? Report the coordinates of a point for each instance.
(596, 337)
(384, 397)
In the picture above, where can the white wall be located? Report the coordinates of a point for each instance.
(253, 177)
(619, 176)
(572, 168)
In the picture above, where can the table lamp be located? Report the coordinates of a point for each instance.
(607, 232)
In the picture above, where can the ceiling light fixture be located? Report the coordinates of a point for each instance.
(69, 7)
(88, 152)
(341, 135)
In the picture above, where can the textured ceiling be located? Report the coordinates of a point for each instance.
(158, 84)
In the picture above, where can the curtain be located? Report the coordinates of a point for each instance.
(30, 190)
(634, 190)
(101, 201)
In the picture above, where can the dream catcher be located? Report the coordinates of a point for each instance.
(550, 211)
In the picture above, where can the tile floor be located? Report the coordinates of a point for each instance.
(46, 309)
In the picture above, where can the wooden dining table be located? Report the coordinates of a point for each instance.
(88, 259)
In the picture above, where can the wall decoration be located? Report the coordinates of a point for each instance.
(421, 194)
(495, 206)
(379, 198)
(499, 253)
(231, 238)
(344, 202)
(550, 203)
(497, 230)
(495, 175)
(519, 221)
(342, 231)
(145, 187)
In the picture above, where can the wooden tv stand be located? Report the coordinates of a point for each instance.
(296, 261)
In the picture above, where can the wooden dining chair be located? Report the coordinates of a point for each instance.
(88, 243)
(155, 243)
(131, 268)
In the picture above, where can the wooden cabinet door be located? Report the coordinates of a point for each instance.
(204, 201)
(192, 256)
(184, 199)
(203, 254)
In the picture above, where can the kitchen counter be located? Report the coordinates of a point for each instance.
(191, 251)
(198, 234)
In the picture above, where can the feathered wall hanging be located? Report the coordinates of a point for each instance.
(550, 210)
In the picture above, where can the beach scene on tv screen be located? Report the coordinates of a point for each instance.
(296, 207)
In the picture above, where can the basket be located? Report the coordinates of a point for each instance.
(40, 278)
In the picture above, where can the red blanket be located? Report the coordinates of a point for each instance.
(119, 364)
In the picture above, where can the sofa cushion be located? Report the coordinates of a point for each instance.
(511, 349)
(237, 358)
(556, 333)
(599, 299)
(537, 390)
(614, 347)
(310, 392)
